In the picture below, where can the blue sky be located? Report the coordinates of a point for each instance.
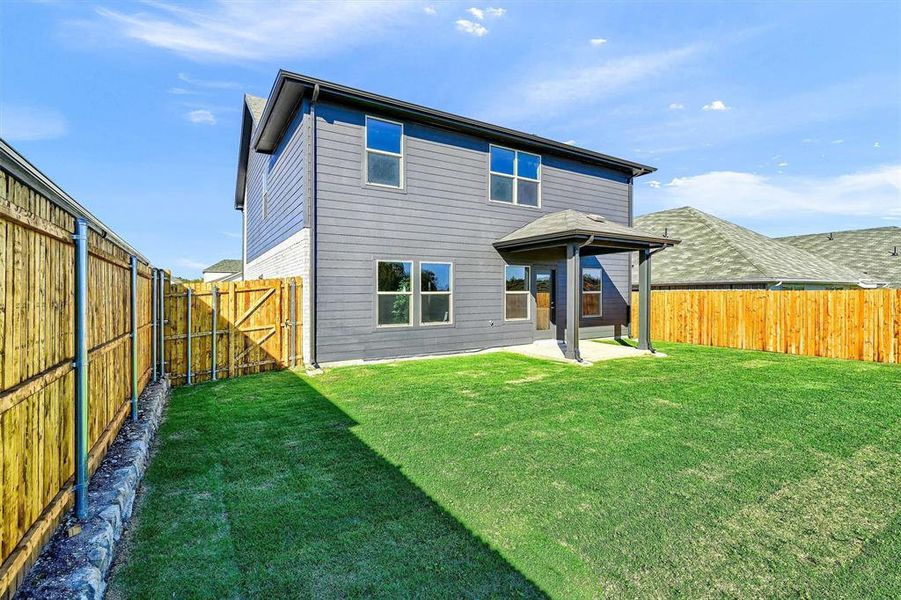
(782, 117)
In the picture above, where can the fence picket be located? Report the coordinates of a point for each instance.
(853, 324)
(36, 353)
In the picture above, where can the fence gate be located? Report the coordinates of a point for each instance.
(248, 326)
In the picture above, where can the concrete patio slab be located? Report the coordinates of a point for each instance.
(592, 351)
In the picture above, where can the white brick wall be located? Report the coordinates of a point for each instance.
(290, 258)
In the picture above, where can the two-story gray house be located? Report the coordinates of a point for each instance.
(421, 232)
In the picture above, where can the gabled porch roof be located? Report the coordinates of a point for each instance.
(594, 233)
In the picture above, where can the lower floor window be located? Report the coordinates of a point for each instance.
(591, 291)
(516, 293)
(436, 293)
(394, 291)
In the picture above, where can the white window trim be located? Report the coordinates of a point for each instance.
(449, 294)
(599, 294)
(378, 293)
(367, 150)
(515, 177)
(527, 293)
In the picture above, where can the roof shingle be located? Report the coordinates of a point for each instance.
(228, 265)
(875, 252)
(716, 251)
(573, 222)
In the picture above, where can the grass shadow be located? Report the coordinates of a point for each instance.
(269, 493)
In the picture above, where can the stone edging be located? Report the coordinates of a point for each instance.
(76, 561)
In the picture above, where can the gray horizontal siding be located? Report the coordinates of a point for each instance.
(287, 182)
(443, 214)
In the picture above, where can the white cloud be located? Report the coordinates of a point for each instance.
(818, 108)
(555, 89)
(782, 164)
(30, 123)
(495, 12)
(837, 142)
(180, 91)
(209, 83)
(876, 145)
(570, 142)
(232, 234)
(467, 26)
(430, 10)
(478, 13)
(716, 105)
(676, 106)
(201, 116)
(730, 194)
(189, 263)
(654, 184)
(225, 30)
(597, 41)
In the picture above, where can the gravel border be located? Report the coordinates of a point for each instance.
(77, 559)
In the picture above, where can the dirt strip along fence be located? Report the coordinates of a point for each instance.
(852, 324)
(257, 327)
(37, 375)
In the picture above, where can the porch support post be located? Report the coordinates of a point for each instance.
(644, 300)
(573, 297)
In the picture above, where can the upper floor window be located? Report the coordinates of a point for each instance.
(515, 177)
(384, 152)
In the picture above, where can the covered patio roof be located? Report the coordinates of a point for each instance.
(594, 233)
(581, 234)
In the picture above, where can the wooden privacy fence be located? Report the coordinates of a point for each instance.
(255, 326)
(853, 324)
(37, 339)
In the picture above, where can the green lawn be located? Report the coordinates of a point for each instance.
(711, 472)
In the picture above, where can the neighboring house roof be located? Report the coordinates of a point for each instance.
(875, 252)
(228, 265)
(716, 251)
(569, 223)
(290, 88)
(255, 105)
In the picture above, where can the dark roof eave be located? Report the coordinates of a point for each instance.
(578, 235)
(289, 88)
(243, 157)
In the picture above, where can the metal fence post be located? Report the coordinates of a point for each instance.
(293, 309)
(189, 336)
(215, 303)
(153, 322)
(161, 295)
(81, 368)
(134, 338)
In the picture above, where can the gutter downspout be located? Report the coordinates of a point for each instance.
(314, 361)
